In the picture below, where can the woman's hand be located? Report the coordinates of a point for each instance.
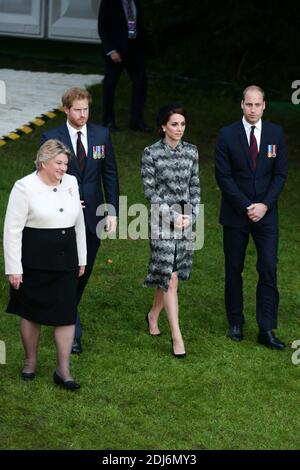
(182, 221)
(15, 280)
(81, 271)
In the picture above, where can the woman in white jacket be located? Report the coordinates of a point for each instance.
(45, 253)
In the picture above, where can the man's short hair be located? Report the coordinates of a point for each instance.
(253, 88)
(73, 94)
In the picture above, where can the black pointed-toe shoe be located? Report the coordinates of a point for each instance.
(178, 356)
(235, 333)
(67, 384)
(76, 346)
(28, 375)
(267, 338)
(147, 321)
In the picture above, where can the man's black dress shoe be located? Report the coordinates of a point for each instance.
(235, 333)
(76, 346)
(141, 127)
(267, 338)
(67, 384)
(28, 375)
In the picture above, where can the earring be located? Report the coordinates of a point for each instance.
(164, 130)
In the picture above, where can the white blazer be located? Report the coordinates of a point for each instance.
(34, 204)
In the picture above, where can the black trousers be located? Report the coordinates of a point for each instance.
(134, 64)
(235, 242)
(93, 244)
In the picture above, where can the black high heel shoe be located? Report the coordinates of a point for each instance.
(67, 384)
(147, 321)
(28, 375)
(178, 356)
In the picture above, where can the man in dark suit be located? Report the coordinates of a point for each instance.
(120, 30)
(94, 166)
(251, 169)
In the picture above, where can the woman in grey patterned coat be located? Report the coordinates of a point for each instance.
(170, 174)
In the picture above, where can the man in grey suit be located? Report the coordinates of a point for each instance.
(95, 168)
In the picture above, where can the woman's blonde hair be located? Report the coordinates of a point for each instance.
(49, 150)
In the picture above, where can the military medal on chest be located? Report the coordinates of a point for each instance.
(98, 151)
(272, 151)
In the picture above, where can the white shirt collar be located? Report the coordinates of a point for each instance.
(248, 126)
(73, 131)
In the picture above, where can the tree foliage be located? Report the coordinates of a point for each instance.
(231, 41)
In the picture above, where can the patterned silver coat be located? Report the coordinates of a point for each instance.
(171, 181)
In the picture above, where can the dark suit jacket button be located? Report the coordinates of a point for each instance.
(63, 232)
(61, 209)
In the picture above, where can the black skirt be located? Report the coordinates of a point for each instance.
(47, 296)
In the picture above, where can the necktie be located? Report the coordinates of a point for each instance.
(127, 5)
(80, 151)
(131, 20)
(253, 148)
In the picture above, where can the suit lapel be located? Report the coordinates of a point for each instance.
(244, 144)
(73, 164)
(262, 147)
(66, 138)
(90, 142)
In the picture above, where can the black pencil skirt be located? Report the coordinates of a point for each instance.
(46, 297)
(48, 293)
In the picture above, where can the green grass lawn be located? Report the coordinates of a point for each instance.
(135, 394)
